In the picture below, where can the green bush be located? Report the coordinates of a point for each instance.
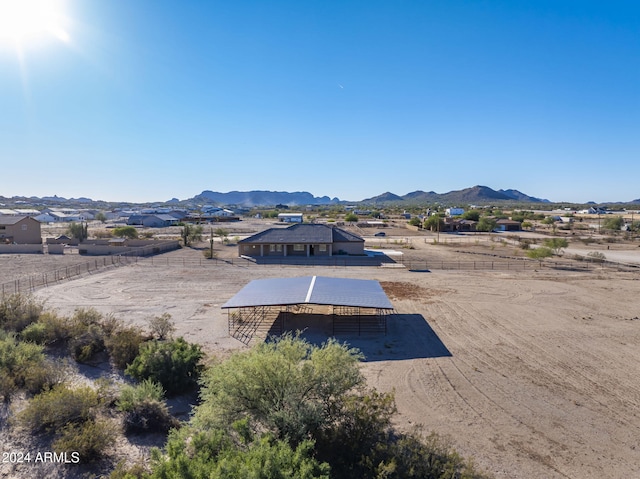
(161, 327)
(52, 410)
(132, 395)
(24, 366)
(123, 345)
(90, 439)
(87, 344)
(18, 311)
(174, 364)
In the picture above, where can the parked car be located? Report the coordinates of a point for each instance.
(380, 233)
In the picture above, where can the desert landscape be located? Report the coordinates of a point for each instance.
(532, 373)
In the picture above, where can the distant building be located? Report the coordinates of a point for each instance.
(454, 211)
(152, 221)
(508, 225)
(290, 217)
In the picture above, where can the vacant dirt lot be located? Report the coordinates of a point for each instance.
(534, 373)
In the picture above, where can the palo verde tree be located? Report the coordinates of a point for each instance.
(556, 244)
(125, 232)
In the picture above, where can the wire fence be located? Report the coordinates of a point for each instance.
(43, 280)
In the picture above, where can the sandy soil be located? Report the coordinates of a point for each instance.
(533, 374)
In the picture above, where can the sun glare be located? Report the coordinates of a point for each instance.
(26, 21)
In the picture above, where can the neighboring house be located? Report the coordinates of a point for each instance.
(45, 218)
(152, 221)
(290, 217)
(302, 240)
(508, 225)
(20, 230)
(454, 211)
(65, 217)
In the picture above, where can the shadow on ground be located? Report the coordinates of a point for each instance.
(408, 336)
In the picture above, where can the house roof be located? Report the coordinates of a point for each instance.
(11, 219)
(322, 290)
(304, 233)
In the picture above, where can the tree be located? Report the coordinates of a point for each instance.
(351, 217)
(473, 215)
(222, 234)
(434, 223)
(486, 224)
(100, 216)
(191, 234)
(78, 231)
(614, 223)
(126, 232)
(286, 386)
(550, 220)
(415, 221)
(556, 244)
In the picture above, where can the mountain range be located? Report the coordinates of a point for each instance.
(480, 195)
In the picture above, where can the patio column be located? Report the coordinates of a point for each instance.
(261, 250)
(284, 248)
(330, 249)
(308, 249)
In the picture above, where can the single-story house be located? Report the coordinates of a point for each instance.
(152, 221)
(302, 240)
(508, 225)
(20, 230)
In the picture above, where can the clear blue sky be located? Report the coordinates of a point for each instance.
(145, 100)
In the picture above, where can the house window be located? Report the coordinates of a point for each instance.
(322, 247)
(279, 248)
(298, 247)
(272, 248)
(24, 227)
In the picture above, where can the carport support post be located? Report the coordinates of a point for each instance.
(308, 249)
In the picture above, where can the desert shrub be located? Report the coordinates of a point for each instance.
(540, 253)
(123, 345)
(287, 387)
(49, 329)
(23, 366)
(90, 438)
(211, 454)
(149, 416)
(53, 409)
(161, 327)
(146, 390)
(596, 256)
(87, 344)
(134, 471)
(17, 311)
(174, 364)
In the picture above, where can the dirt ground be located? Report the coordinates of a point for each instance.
(533, 374)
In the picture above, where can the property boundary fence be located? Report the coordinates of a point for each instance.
(42, 280)
(37, 281)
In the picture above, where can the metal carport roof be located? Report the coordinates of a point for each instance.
(363, 293)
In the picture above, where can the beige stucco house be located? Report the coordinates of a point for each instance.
(20, 230)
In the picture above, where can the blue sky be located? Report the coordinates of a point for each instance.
(147, 100)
